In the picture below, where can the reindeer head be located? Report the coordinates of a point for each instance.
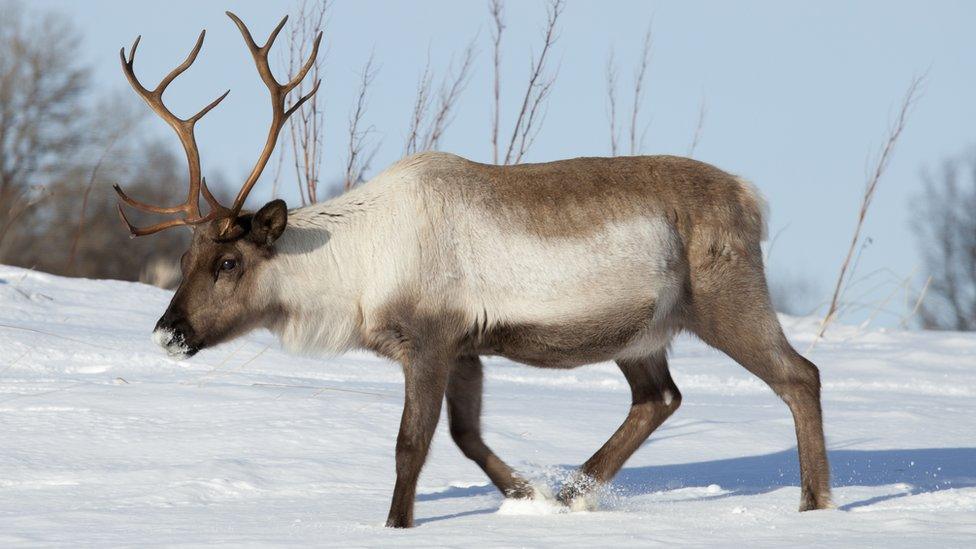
(214, 301)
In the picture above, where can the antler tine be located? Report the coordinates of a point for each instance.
(184, 131)
(215, 206)
(278, 92)
(248, 39)
(260, 53)
(274, 34)
(203, 112)
(147, 207)
(143, 231)
(307, 66)
(127, 67)
(190, 58)
(303, 99)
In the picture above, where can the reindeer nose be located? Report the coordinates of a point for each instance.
(174, 323)
(173, 333)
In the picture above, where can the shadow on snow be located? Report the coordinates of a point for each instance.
(923, 470)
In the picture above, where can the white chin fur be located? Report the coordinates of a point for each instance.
(165, 339)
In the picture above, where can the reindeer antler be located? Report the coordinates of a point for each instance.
(184, 130)
(278, 93)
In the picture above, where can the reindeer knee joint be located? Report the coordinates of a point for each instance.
(808, 376)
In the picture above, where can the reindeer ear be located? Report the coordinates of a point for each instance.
(269, 222)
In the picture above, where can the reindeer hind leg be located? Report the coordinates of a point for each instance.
(739, 320)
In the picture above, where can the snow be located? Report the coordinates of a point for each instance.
(104, 439)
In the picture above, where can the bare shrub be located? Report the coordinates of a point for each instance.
(306, 129)
(945, 225)
(528, 120)
(640, 74)
(430, 119)
(103, 249)
(360, 153)
(40, 98)
(636, 137)
(59, 156)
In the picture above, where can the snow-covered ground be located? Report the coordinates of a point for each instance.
(105, 440)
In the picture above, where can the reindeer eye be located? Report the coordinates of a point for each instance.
(228, 265)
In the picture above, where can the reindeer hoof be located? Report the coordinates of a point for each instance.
(399, 522)
(811, 502)
(521, 491)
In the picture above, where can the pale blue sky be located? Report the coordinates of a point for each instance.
(799, 94)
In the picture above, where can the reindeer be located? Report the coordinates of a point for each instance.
(439, 260)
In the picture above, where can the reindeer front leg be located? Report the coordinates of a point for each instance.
(425, 380)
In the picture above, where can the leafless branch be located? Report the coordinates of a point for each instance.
(420, 106)
(536, 91)
(426, 131)
(307, 129)
(496, 35)
(611, 73)
(358, 159)
(911, 96)
(449, 96)
(41, 87)
(640, 74)
(945, 228)
(702, 111)
(534, 121)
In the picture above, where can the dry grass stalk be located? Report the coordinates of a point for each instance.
(869, 191)
(918, 304)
